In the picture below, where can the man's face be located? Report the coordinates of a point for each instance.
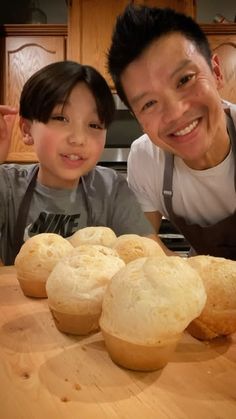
(173, 94)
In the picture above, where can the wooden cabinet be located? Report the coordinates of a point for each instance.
(222, 38)
(91, 22)
(27, 48)
(89, 31)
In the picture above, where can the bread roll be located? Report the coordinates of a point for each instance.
(146, 307)
(75, 290)
(95, 249)
(218, 317)
(93, 235)
(36, 259)
(132, 246)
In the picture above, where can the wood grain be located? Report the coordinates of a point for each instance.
(47, 374)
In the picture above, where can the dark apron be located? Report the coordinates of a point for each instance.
(23, 211)
(216, 240)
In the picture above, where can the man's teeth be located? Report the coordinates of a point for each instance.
(73, 157)
(187, 129)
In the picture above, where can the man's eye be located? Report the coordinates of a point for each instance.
(60, 118)
(185, 79)
(149, 104)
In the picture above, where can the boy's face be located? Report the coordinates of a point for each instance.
(70, 144)
(173, 93)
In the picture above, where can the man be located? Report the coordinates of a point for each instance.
(183, 167)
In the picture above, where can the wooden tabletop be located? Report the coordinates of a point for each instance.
(47, 374)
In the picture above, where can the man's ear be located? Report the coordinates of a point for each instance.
(25, 127)
(217, 72)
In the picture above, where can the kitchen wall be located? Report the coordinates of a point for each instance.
(15, 11)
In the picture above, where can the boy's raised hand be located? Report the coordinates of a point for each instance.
(7, 118)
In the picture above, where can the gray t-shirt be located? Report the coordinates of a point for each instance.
(103, 199)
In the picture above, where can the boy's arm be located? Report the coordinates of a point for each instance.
(7, 118)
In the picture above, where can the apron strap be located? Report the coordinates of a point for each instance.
(167, 190)
(232, 136)
(23, 211)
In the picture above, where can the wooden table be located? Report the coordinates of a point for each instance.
(47, 374)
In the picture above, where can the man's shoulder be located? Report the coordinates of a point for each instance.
(142, 142)
(143, 150)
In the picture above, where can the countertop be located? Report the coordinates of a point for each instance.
(48, 374)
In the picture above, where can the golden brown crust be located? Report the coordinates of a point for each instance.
(133, 246)
(200, 331)
(75, 324)
(139, 357)
(36, 289)
(218, 317)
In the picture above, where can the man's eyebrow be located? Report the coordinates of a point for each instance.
(180, 67)
(137, 98)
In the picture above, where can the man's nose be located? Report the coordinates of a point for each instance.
(174, 108)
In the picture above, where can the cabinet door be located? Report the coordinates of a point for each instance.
(226, 52)
(222, 39)
(90, 28)
(24, 56)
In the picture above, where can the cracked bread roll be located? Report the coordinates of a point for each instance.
(133, 246)
(36, 259)
(94, 249)
(75, 290)
(104, 236)
(218, 317)
(146, 307)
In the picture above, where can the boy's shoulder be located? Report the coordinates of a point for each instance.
(13, 170)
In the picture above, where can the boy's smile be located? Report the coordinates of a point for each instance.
(176, 100)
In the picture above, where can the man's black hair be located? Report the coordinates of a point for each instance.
(138, 26)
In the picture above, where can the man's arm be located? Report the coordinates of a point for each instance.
(155, 219)
(7, 118)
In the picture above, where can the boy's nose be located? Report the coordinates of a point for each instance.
(77, 139)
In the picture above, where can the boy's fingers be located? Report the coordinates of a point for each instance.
(6, 126)
(6, 110)
(9, 119)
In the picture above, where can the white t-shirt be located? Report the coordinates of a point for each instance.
(202, 197)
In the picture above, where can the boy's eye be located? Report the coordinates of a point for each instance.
(96, 126)
(185, 79)
(60, 118)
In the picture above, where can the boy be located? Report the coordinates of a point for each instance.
(164, 71)
(65, 109)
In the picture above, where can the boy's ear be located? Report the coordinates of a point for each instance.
(25, 127)
(217, 72)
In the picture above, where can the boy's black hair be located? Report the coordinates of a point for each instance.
(53, 84)
(135, 30)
